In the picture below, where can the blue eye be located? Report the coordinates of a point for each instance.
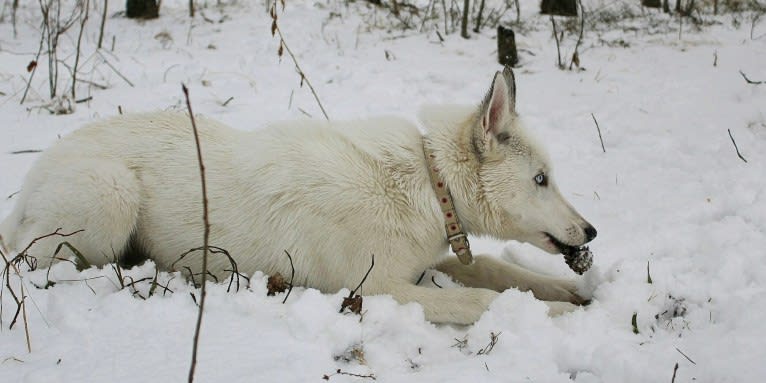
(541, 179)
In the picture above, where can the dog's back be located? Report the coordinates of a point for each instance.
(331, 194)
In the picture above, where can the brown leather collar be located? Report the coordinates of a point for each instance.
(458, 240)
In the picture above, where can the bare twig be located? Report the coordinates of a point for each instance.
(354, 301)
(283, 43)
(433, 280)
(753, 23)
(26, 151)
(20, 303)
(103, 23)
(115, 70)
(292, 277)
(34, 67)
(576, 54)
(556, 37)
(675, 369)
(492, 342)
(340, 372)
(206, 236)
(32, 264)
(735, 147)
(599, 133)
(215, 250)
(14, 8)
(648, 274)
(372, 264)
(749, 81)
(685, 356)
(477, 27)
(83, 19)
(23, 253)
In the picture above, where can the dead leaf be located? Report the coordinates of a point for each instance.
(353, 305)
(276, 284)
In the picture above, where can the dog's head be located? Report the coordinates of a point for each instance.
(516, 177)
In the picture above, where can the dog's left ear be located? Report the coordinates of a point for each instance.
(498, 107)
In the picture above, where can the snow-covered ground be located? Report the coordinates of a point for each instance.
(669, 196)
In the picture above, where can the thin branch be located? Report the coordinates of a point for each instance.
(599, 133)
(372, 264)
(283, 43)
(83, 20)
(115, 70)
(292, 277)
(491, 345)
(735, 146)
(103, 23)
(685, 356)
(215, 250)
(749, 81)
(477, 27)
(341, 372)
(556, 37)
(675, 369)
(576, 54)
(206, 237)
(20, 303)
(23, 253)
(36, 61)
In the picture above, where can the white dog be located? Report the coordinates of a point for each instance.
(332, 194)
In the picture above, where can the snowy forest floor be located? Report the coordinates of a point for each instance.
(670, 197)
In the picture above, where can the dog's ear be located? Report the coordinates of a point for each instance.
(498, 107)
(510, 82)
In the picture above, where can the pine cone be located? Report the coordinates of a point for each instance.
(579, 261)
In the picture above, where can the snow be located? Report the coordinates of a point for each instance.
(669, 197)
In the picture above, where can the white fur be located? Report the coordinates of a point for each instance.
(331, 194)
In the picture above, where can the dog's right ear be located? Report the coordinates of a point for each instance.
(497, 109)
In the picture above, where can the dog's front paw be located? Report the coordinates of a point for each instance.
(562, 290)
(558, 308)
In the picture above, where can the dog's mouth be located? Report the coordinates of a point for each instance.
(563, 248)
(578, 258)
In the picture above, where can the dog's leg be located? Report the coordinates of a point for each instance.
(99, 197)
(491, 273)
(460, 305)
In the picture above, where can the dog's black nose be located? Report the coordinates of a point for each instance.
(590, 233)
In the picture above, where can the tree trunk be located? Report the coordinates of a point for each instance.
(651, 3)
(477, 27)
(506, 46)
(464, 23)
(142, 9)
(559, 7)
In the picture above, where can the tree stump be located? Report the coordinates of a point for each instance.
(652, 3)
(506, 46)
(142, 9)
(559, 7)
